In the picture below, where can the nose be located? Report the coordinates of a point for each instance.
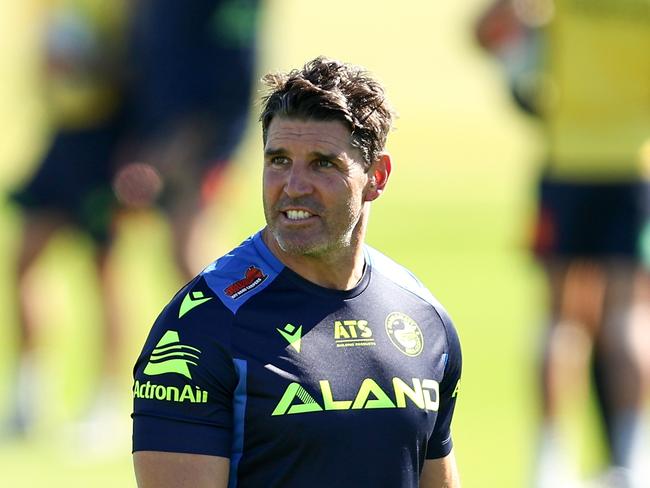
(298, 181)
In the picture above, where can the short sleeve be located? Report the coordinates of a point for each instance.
(185, 378)
(440, 442)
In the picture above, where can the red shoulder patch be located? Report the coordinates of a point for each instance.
(253, 278)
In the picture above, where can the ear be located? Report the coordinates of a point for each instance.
(378, 177)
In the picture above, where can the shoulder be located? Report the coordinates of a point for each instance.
(399, 276)
(406, 280)
(222, 287)
(242, 273)
(204, 310)
(232, 279)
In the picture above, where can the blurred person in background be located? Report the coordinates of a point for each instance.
(149, 101)
(582, 68)
(83, 83)
(192, 69)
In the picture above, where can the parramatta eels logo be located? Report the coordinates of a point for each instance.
(404, 333)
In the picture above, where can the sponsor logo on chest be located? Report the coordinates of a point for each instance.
(404, 333)
(353, 333)
(421, 393)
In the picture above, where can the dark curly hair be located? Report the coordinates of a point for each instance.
(325, 89)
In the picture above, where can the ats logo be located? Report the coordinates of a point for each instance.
(351, 333)
(253, 278)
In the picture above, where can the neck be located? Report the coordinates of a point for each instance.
(339, 270)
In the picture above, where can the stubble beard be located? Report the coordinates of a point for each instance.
(301, 243)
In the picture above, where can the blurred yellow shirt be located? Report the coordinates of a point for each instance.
(596, 101)
(83, 60)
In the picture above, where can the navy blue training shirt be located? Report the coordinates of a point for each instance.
(297, 384)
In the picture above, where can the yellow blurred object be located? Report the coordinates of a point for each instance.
(83, 57)
(644, 159)
(598, 116)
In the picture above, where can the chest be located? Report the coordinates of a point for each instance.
(336, 371)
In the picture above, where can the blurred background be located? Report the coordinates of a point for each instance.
(458, 212)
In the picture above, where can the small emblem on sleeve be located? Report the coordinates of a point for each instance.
(170, 356)
(191, 300)
(253, 278)
(404, 333)
(152, 391)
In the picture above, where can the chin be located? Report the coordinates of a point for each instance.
(296, 247)
(290, 243)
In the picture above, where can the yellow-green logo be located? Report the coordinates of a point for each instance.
(191, 300)
(292, 335)
(404, 333)
(421, 393)
(170, 356)
(153, 391)
(456, 390)
(351, 333)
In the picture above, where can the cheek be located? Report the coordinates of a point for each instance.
(359, 195)
(267, 195)
(270, 185)
(351, 203)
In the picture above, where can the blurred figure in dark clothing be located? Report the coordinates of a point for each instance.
(83, 81)
(149, 100)
(192, 67)
(582, 68)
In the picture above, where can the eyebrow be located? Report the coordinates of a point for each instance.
(270, 152)
(322, 155)
(274, 152)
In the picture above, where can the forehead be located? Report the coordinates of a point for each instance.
(329, 136)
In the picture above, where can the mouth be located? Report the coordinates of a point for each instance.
(297, 215)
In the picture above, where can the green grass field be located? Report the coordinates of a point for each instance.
(455, 213)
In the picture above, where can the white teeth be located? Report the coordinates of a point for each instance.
(297, 214)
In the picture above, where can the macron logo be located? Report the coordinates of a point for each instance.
(192, 299)
(292, 335)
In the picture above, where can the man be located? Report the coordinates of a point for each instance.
(582, 67)
(304, 357)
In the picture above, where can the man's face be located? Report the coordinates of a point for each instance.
(314, 186)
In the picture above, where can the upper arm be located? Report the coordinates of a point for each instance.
(175, 470)
(440, 443)
(440, 473)
(185, 381)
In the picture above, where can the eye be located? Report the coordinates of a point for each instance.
(324, 163)
(279, 161)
